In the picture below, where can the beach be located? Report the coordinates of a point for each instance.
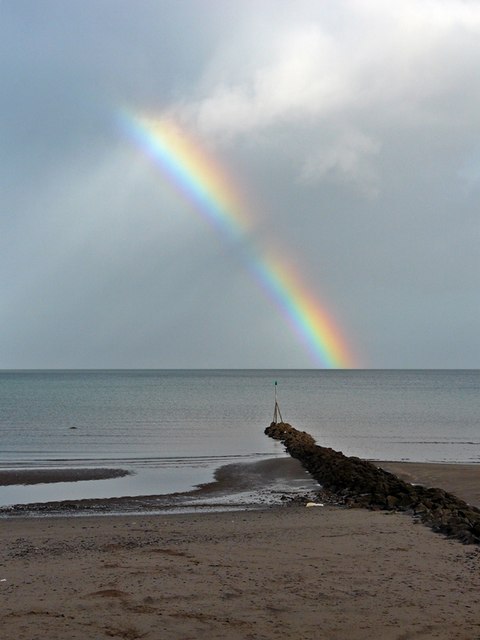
(285, 572)
(279, 572)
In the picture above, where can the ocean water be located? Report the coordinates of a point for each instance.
(173, 428)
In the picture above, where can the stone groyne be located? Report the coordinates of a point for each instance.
(359, 483)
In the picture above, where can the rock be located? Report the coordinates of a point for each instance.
(392, 502)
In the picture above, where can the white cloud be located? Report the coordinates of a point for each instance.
(298, 80)
(370, 67)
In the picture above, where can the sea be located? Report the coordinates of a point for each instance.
(172, 429)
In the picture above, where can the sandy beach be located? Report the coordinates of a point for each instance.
(286, 572)
(282, 572)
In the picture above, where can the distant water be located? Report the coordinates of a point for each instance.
(173, 428)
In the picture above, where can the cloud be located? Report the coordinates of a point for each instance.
(348, 75)
(295, 82)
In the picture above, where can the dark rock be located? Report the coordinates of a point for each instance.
(392, 502)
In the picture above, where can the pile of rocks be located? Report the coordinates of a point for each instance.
(360, 483)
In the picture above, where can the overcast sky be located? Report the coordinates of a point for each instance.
(351, 126)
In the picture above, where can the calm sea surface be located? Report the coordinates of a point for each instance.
(173, 428)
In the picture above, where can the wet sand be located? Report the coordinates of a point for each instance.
(285, 572)
(10, 477)
(235, 486)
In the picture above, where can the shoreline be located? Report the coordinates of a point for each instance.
(239, 486)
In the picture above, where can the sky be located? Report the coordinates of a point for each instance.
(349, 130)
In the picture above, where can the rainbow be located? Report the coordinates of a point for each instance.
(201, 181)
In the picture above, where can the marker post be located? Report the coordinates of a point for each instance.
(276, 411)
